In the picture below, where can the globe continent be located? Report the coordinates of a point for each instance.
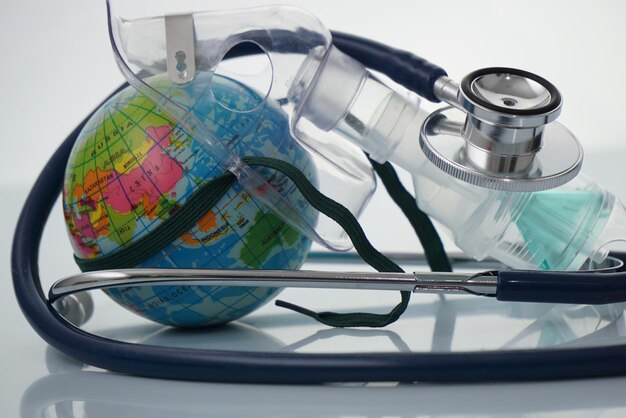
(132, 168)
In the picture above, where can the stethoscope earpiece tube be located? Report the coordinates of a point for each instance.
(411, 71)
(561, 287)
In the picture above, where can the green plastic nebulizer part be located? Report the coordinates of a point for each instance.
(561, 227)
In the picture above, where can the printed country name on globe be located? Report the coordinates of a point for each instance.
(174, 134)
(173, 295)
(116, 132)
(214, 234)
(99, 183)
(275, 233)
(157, 173)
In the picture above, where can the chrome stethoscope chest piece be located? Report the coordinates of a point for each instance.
(500, 132)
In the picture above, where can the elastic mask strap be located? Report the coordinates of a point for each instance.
(185, 218)
(179, 222)
(424, 229)
(368, 253)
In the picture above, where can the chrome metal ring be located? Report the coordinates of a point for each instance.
(557, 162)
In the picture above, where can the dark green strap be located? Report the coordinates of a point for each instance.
(423, 227)
(336, 211)
(348, 222)
(179, 222)
(185, 217)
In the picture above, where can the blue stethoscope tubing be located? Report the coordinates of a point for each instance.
(268, 367)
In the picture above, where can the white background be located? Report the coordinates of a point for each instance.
(56, 65)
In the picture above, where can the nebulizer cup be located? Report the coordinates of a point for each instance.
(561, 228)
(557, 229)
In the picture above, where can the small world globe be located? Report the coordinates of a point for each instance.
(132, 169)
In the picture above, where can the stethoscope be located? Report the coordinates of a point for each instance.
(56, 316)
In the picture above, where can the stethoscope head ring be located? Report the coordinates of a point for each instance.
(510, 97)
(509, 142)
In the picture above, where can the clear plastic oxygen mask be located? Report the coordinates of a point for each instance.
(284, 59)
(494, 168)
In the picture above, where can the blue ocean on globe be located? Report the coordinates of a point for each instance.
(132, 168)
